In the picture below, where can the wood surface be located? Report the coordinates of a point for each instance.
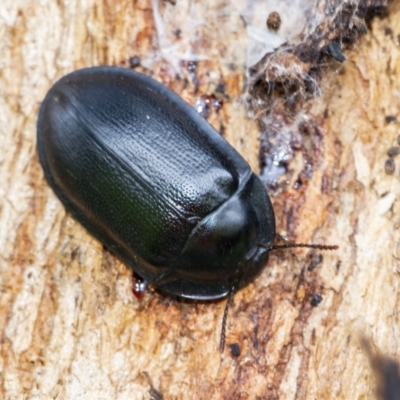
(70, 326)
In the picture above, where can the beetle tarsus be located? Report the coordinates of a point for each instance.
(139, 286)
(224, 319)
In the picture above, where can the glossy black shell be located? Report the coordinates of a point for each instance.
(154, 182)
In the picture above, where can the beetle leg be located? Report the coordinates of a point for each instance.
(139, 286)
(224, 319)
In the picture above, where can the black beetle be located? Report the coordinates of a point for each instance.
(155, 183)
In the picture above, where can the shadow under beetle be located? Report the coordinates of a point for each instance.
(151, 179)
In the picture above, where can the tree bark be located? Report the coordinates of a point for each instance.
(70, 326)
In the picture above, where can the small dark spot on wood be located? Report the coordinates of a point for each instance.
(274, 21)
(393, 151)
(235, 350)
(134, 61)
(390, 166)
(388, 31)
(315, 262)
(74, 253)
(221, 87)
(316, 299)
(390, 119)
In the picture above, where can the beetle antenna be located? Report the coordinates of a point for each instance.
(310, 246)
(224, 319)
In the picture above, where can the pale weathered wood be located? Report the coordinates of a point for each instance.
(70, 326)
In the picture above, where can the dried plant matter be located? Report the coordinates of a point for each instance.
(292, 71)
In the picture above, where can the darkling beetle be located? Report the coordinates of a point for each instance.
(143, 172)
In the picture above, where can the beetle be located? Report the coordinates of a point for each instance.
(143, 172)
(152, 180)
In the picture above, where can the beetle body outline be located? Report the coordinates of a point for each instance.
(145, 174)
